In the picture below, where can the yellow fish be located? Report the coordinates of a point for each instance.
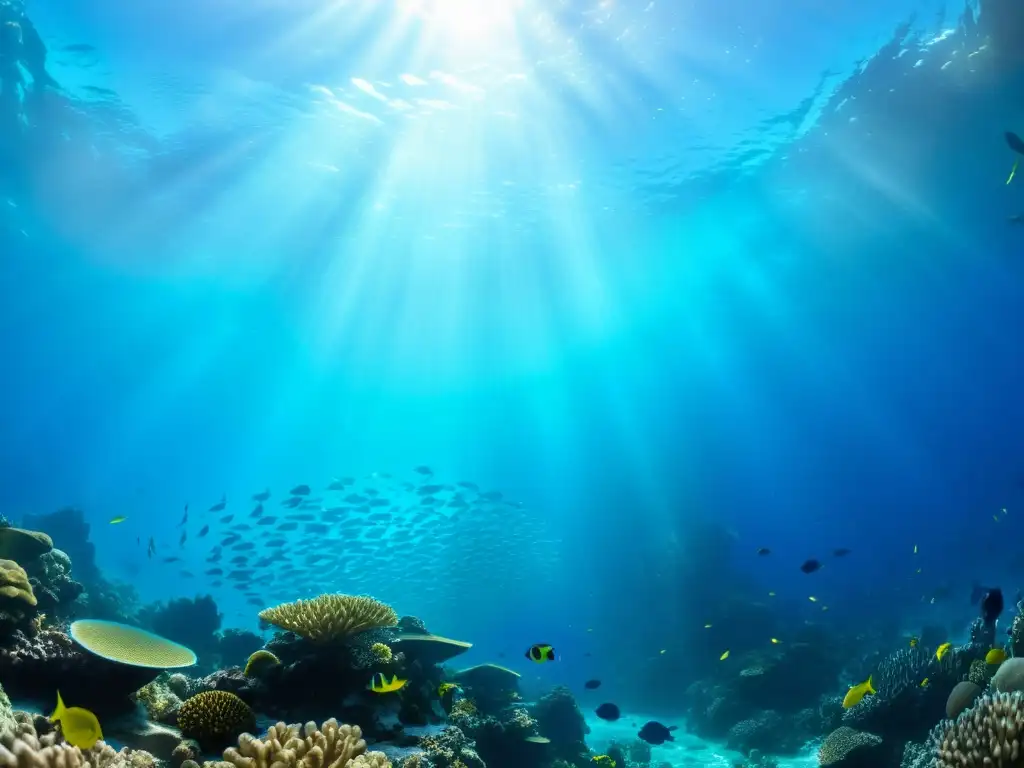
(724, 656)
(995, 656)
(445, 688)
(813, 599)
(924, 683)
(942, 650)
(540, 653)
(913, 642)
(118, 519)
(662, 650)
(380, 684)
(858, 692)
(775, 641)
(80, 727)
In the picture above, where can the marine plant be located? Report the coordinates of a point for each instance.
(215, 718)
(331, 617)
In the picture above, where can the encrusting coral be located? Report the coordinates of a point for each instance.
(331, 617)
(215, 718)
(291, 746)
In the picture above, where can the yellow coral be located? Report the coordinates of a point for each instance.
(603, 761)
(331, 617)
(260, 661)
(213, 718)
(14, 583)
(289, 746)
(381, 652)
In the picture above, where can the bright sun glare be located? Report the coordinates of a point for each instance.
(479, 22)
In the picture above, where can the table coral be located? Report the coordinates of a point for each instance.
(331, 617)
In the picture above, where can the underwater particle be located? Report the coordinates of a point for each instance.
(995, 656)
(942, 650)
(380, 684)
(842, 743)
(858, 692)
(79, 726)
(961, 697)
(662, 652)
(215, 719)
(724, 656)
(540, 653)
(260, 661)
(655, 733)
(592, 685)
(813, 599)
(763, 551)
(707, 626)
(915, 549)
(608, 711)
(810, 566)
(771, 594)
(330, 617)
(775, 641)
(992, 605)
(117, 520)
(841, 552)
(130, 645)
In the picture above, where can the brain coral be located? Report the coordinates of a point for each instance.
(17, 602)
(331, 617)
(842, 743)
(215, 718)
(289, 746)
(987, 734)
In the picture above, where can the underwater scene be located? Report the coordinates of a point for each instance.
(511, 384)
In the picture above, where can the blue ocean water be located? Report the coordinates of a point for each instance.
(679, 280)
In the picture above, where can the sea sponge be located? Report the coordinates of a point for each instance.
(215, 718)
(381, 652)
(130, 645)
(330, 618)
(961, 697)
(1010, 676)
(842, 742)
(980, 673)
(989, 733)
(289, 746)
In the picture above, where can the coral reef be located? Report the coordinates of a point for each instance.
(23, 746)
(330, 618)
(961, 697)
(70, 533)
(560, 720)
(160, 702)
(55, 590)
(22, 545)
(289, 746)
(490, 686)
(451, 748)
(848, 747)
(989, 733)
(33, 668)
(235, 646)
(1010, 676)
(215, 718)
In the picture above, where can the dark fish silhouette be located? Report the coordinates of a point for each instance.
(203, 531)
(608, 711)
(992, 605)
(810, 566)
(185, 518)
(1015, 142)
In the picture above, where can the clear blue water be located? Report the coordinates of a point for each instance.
(644, 267)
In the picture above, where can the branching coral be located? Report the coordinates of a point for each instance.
(987, 734)
(289, 746)
(329, 618)
(843, 742)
